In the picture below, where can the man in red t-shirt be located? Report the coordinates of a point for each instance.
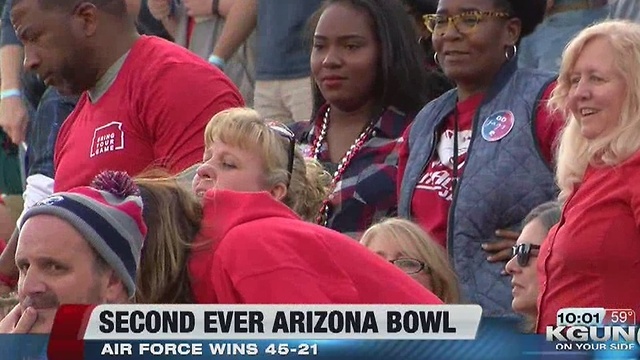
(145, 102)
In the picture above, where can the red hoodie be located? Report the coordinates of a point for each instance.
(253, 249)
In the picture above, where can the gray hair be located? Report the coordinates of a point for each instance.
(548, 213)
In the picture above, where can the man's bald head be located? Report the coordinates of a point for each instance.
(71, 43)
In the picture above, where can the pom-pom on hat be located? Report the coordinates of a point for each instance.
(108, 214)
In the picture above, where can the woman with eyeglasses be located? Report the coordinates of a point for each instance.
(405, 245)
(522, 266)
(369, 82)
(254, 247)
(495, 128)
(591, 258)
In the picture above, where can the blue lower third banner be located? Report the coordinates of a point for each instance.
(23, 347)
(497, 339)
(316, 331)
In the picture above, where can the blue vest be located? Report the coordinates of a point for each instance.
(501, 182)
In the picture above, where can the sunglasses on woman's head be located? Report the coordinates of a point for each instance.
(282, 130)
(524, 253)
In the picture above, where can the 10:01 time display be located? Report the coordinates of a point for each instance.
(579, 317)
(595, 317)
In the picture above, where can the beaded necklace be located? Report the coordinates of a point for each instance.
(323, 217)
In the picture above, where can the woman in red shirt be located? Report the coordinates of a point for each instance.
(253, 247)
(477, 159)
(590, 259)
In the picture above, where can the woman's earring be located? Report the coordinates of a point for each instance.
(435, 58)
(515, 52)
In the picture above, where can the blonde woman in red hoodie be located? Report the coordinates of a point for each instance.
(245, 153)
(254, 247)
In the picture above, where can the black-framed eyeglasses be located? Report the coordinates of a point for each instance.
(465, 23)
(408, 265)
(524, 252)
(284, 131)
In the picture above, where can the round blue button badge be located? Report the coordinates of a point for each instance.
(497, 125)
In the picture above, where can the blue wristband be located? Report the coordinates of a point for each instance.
(216, 60)
(10, 93)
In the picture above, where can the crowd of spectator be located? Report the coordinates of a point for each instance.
(335, 151)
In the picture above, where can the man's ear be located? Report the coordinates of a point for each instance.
(85, 17)
(115, 291)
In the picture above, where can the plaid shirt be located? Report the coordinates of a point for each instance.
(43, 128)
(367, 191)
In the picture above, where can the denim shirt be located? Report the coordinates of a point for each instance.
(282, 52)
(625, 9)
(543, 48)
(7, 33)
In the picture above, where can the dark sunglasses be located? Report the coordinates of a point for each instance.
(524, 253)
(282, 130)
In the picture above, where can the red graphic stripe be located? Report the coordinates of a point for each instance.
(66, 340)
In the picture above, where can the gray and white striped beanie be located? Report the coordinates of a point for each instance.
(108, 215)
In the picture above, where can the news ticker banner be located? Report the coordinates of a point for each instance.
(320, 332)
(262, 331)
(259, 331)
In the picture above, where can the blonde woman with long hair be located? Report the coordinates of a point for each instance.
(407, 246)
(590, 259)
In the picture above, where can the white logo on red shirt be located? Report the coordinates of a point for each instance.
(107, 138)
(439, 174)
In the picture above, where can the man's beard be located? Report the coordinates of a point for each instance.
(76, 78)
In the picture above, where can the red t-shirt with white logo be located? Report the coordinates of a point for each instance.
(153, 115)
(435, 187)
